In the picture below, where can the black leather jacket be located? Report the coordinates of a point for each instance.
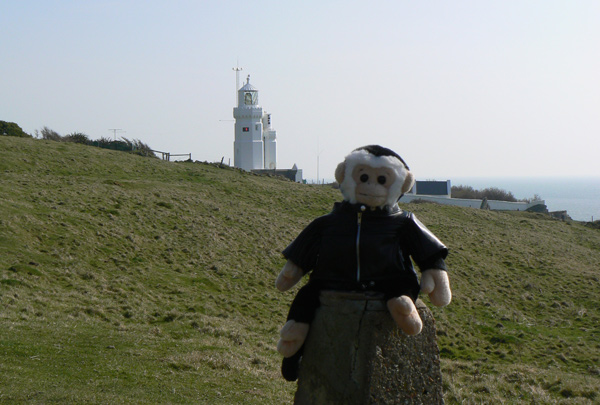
(354, 247)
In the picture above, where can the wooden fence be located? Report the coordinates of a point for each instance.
(167, 155)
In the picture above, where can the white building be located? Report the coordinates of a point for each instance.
(270, 142)
(255, 145)
(440, 192)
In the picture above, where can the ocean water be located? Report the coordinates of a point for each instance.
(580, 197)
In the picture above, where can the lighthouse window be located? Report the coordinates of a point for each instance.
(250, 98)
(246, 129)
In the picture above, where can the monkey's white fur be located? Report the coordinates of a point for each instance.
(358, 157)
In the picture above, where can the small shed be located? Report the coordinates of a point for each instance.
(432, 187)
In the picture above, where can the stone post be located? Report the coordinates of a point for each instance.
(355, 354)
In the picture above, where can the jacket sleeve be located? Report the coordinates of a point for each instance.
(304, 250)
(425, 248)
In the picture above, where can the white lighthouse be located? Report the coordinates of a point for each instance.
(255, 145)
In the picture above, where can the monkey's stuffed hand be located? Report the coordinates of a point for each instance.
(435, 283)
(405, 314)
(289, 276)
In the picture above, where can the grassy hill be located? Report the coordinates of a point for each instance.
(129, 279)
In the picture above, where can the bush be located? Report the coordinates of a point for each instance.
(463, 192)
(594, 224)
(139, 147)
(49, 134)
(12, 129)
(103, 142)
(497, 194)
(77, 137)
(135, 146)
(491, 193)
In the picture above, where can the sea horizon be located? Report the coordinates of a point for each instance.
(578, 195)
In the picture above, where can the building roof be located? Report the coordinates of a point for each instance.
(248, 86)
(431, 187)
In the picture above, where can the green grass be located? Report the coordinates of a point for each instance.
(129, 279)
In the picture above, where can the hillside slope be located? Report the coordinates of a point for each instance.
(125, 278)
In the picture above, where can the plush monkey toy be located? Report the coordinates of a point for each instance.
(365, 243)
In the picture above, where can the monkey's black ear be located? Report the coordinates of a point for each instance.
(340, 172)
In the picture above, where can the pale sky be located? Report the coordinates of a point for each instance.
(458, 88)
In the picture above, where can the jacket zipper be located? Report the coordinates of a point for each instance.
(358, 248)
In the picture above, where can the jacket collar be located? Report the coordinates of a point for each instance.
(346, 206)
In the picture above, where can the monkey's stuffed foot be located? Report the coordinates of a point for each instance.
(290, 366)
(293, 334)
(405, 314)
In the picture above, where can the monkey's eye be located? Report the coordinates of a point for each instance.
(381, 180)
(364, 177)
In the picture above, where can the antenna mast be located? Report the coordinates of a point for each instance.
(237, 70)
(115, 130)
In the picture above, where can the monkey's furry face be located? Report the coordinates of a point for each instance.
(372, 184)
(375, 181)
